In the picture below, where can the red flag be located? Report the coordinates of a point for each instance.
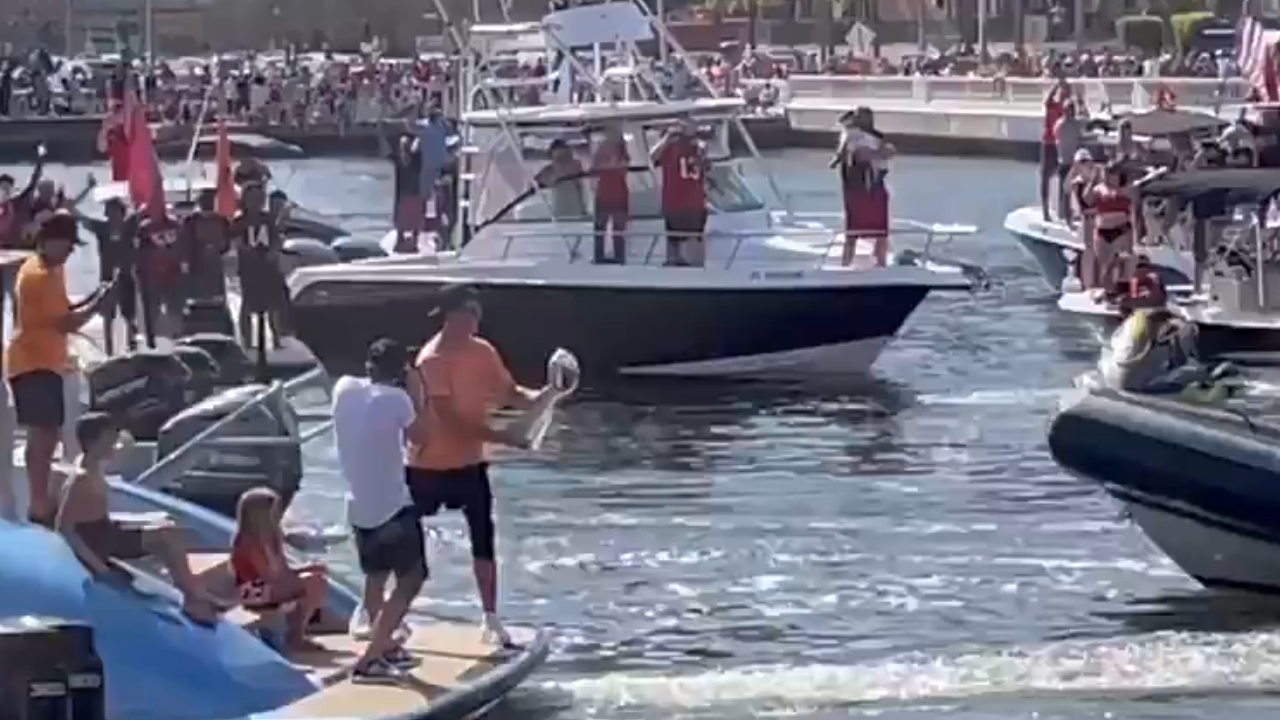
(113, 141)
(146, 185)
(225, 203)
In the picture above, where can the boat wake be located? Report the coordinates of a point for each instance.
(1019, 396)
(1159, 666)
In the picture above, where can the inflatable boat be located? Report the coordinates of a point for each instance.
(1202, 482)
(158, 665)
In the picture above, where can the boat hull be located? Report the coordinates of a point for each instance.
(1200, 482)
(619, 329)
(1053, 246)
(1242, 344)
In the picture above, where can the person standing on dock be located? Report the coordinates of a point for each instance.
(372, 418)
(1054, 103)
(464, 377)
(37, 355)
(117, 239)
(259, 246)
(205, 237)
(159, 265)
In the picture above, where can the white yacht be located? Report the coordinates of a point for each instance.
(771, 298)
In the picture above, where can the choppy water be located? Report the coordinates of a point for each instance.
(905, 549)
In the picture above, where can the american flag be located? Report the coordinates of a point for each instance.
(1254, 54)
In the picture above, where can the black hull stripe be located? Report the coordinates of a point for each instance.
(1225, 526)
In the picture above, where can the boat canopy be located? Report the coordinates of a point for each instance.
(1210, 192)
(548, 116)
(1164, 123)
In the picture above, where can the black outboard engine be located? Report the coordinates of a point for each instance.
(203, 368)
(226, 471)
(350, 248)
(304, 252)
(207, 315)
(141, 389)
(234, 365)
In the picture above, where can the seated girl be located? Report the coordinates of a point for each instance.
(262, 572)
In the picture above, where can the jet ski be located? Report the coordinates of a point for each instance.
(1153, 352)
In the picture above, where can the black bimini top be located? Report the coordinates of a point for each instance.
(1163, 123)
(1212, 191)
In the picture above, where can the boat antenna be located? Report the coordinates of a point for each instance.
(667, 39)
(195, 135)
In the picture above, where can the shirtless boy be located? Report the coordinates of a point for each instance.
(85, 521)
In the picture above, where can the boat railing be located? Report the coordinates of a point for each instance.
(822, 242)
(183, 461)
(850, 89)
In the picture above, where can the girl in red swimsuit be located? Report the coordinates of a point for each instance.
(262, 573)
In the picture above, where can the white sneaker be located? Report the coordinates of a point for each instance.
(361, 627)
(493, 632)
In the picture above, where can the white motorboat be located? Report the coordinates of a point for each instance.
(771, 298)
(1056, 248)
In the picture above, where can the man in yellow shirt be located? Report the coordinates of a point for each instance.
(37, 355)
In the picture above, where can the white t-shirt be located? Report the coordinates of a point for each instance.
(369, 420)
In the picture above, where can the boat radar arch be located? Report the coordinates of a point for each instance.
(162, 666)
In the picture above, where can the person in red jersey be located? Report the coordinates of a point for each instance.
(613, 206)
(1058, 96)
(159, 274)
(684, 197)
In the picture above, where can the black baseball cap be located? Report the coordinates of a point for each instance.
(453, 297)
(387, 356)
(61, 225)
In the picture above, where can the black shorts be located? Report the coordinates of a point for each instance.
(466, 489)
(686, 225)
(395, 547)
(38, 399)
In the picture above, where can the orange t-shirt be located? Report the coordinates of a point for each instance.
(474, 378)
(40, 294)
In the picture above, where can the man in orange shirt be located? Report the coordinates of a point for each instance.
(37, 355)
(463, 379)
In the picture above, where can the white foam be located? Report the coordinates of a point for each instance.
(1022, 396)
(1165, 663)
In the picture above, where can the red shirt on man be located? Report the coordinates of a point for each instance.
(682, 188)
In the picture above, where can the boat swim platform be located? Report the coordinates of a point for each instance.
(458, 675)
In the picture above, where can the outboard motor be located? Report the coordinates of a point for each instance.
(142, 389)
(349, 249)
(304, 252)
(204, 371)
(51, 669)
(207, 315)
(233, 364)
(226, 471)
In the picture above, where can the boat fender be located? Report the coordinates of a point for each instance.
(233, 363)
(350, 249)
(227, 470)
(50, 668)
(140, 389)
(305, 252)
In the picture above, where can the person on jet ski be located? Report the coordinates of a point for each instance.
(1154, 353)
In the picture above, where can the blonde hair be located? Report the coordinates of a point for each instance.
(257, 514)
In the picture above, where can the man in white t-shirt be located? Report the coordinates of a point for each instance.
(371, 416)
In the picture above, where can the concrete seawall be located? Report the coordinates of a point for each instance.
(936, 115)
